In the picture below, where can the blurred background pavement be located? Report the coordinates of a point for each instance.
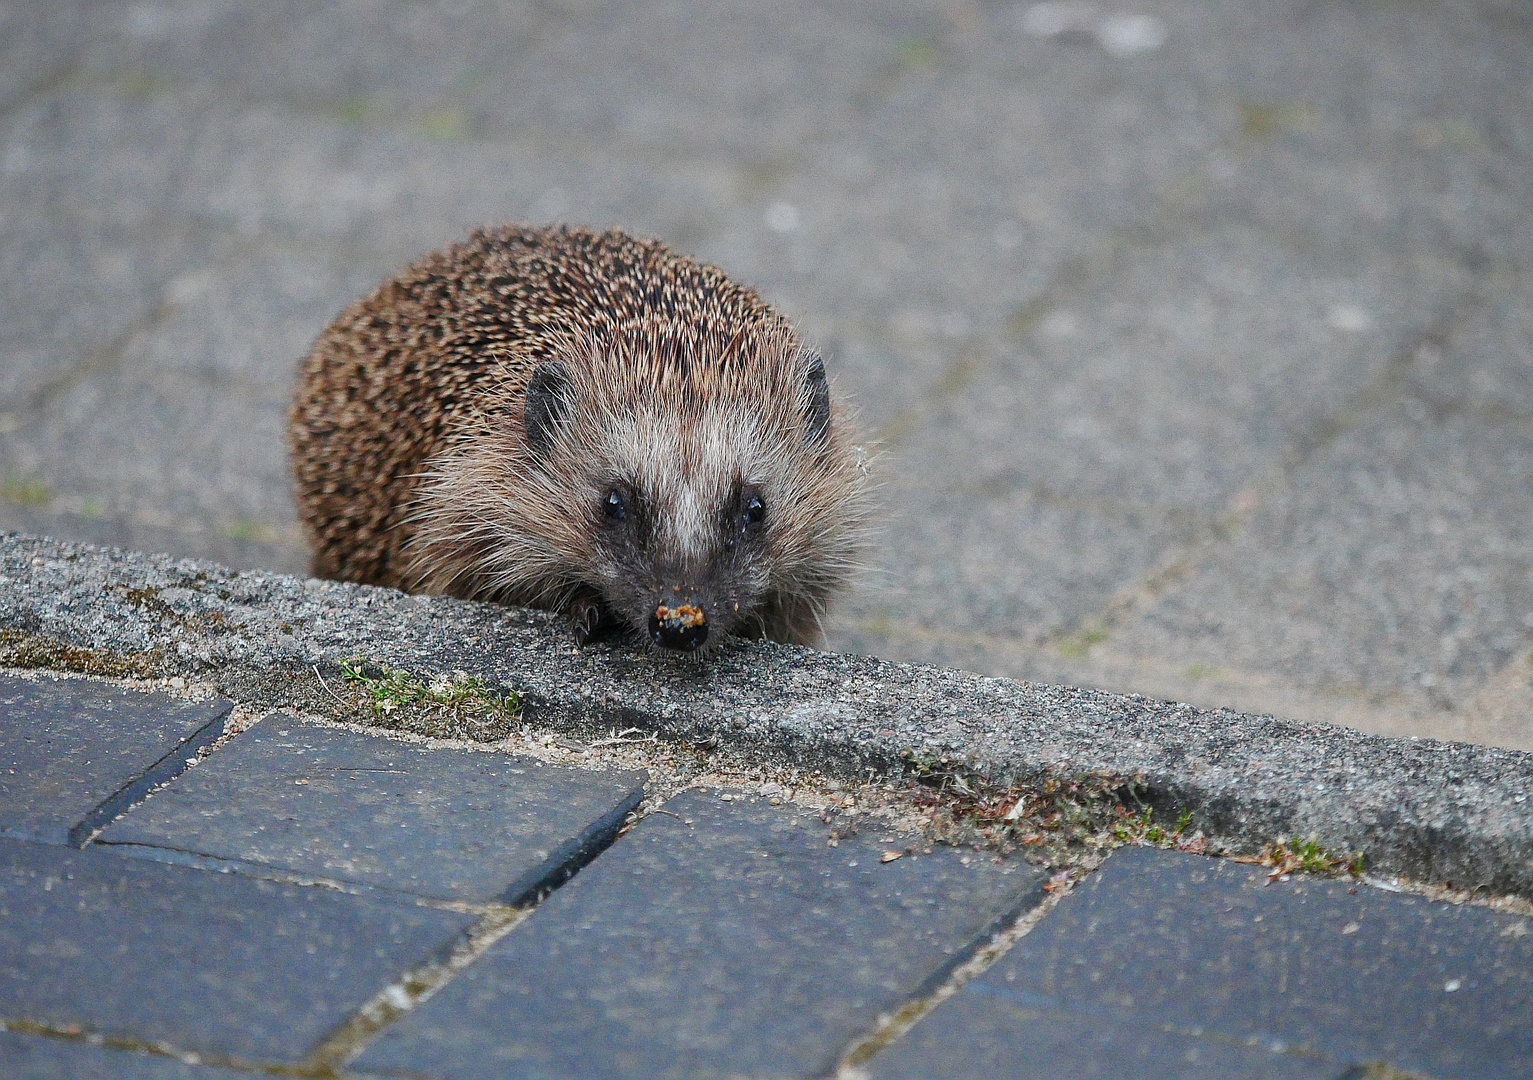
(1198, 333)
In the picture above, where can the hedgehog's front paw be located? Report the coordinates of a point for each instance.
(587, 615)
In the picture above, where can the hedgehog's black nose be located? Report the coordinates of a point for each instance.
(682, 628)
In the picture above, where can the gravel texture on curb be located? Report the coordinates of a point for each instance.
(1434, 811)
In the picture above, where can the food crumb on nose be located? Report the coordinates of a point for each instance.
(685, 615)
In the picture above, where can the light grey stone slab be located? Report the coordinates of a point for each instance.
(956, 559)
(193, 458)
(1397, 562)
(74, 296)
(1183, 373)
(1141, 412)
(183, 457)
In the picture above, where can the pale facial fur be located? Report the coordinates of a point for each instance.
(658, 478)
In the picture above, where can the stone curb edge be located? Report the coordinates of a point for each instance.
(1438, 812)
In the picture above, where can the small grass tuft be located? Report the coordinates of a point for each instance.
(387, 690)
(1078, 646)
(246, 528)
(445, 123)
(917, 52)
(1284, 856)
(14, 489)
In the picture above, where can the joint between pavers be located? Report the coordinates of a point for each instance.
(83, 1036)
(567, 860)
(412, 989)
(988, 948)
(170, 766)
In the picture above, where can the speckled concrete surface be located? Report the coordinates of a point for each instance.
(1439, 812)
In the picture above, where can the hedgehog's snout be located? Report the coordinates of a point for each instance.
(683, 627)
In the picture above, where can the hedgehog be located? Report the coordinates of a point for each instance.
(587, 423)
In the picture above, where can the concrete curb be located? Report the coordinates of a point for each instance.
(1434, 811)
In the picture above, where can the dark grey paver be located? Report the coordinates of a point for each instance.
(77, 753)
(1196, 946)
(716, 939)
(200, 960)
(347, 805)
(37, 1057)
(990, 1035)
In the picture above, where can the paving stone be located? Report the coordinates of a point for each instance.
(270, 172)
(77, 753)
(986, 1035)
(1397, 564)
(76, 294)
(36, 1057)
(1181, 374)
(1209, 956)
(254, 969)
(1013, 562)
(285, 554)
(716, 939)
(352, 806)
(673, 71)
(186, 457)
(201, 393)
(1062, 476)
(1370, 125)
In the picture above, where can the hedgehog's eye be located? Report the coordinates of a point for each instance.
(753, 510)
(614, 507)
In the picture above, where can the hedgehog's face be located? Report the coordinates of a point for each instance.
(702, 499)
(682, 563)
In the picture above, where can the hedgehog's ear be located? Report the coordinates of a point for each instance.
(549, 397)
(817, 401)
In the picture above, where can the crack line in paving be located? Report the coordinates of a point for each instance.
(1385, 389)
(43, 87)
(97, 360)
